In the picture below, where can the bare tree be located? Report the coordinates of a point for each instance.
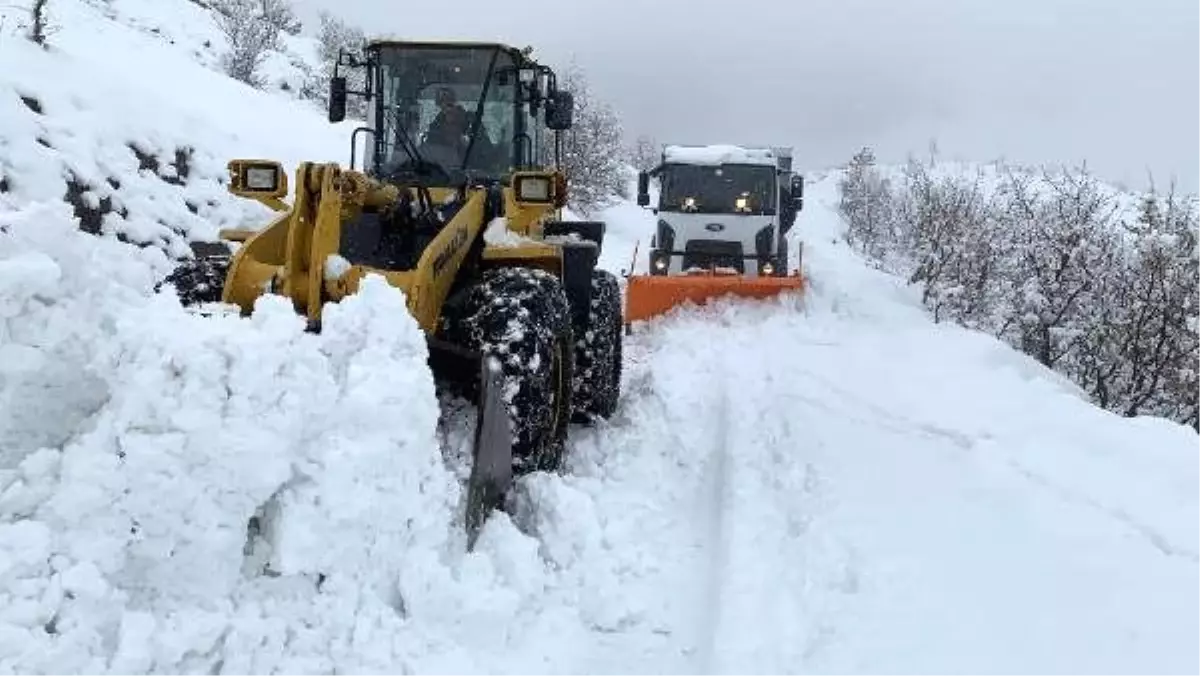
(592, 150)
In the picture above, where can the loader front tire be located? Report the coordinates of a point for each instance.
(198, 280)
(521, 317)
(598, 352)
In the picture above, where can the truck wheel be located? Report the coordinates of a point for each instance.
(520, 316)
(198, 280)
(598, 352)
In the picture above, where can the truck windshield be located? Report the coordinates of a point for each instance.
(448, 108)
(725, 189)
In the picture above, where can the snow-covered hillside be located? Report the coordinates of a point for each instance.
(826, 484)
(127, 116)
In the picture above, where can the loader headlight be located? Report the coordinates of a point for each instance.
(767, 268)
(257, 178)
(533, 188)
(261, 178)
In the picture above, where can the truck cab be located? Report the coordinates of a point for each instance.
(723, 208)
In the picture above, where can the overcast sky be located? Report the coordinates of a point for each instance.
(1112, 82)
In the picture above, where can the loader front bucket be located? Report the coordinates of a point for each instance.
(491, 471)
(648, 296)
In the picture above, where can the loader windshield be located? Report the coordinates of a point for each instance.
(726, 189)
(445, 112)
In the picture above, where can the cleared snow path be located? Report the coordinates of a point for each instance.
(845, 487)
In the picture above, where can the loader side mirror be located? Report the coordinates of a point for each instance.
(337, 99)
(643, 190)
(797, 192)
(560, 110)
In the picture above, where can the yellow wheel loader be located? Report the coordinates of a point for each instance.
(524, 323)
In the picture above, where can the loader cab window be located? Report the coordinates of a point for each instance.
(726, 189)
(443, 114)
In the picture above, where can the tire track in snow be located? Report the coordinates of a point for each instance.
(718, 529)
(773, 578)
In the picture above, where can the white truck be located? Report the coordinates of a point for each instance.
(723, 207)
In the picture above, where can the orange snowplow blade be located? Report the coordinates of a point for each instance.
(648, 296)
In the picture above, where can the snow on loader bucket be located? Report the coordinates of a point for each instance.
(649, 296)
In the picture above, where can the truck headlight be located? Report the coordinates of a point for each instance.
(659, 262)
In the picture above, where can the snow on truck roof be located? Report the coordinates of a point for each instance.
(721, 154)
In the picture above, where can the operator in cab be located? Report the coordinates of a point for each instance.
(445, 138)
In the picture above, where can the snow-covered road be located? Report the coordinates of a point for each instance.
(840, 485)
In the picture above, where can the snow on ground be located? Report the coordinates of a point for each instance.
(826, 484)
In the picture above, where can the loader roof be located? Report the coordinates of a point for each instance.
(526, 53)
(719, 154)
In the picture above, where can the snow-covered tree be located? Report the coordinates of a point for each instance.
(949, 236)
(1041, 260)
(1160, 346)
(645, 153)
(252, 28)
(280, 14)
(1064, 238)
(867, 205)
(593, 156)
(335, 36)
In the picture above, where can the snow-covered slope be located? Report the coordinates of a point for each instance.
(833, 484)
(125, 116)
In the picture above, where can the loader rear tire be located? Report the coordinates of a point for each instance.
(598, 352)
(198, 280)
(520, 316)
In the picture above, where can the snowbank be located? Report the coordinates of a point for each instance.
(218, 493)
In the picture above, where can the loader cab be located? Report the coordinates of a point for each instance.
(719, 207)
(448, 114)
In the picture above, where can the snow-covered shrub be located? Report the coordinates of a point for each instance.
(1053, 262)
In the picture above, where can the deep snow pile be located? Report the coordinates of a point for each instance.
(229, 494)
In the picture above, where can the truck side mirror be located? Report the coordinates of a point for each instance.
(797, 190)
(560, 109)
(643, 191)
(337, 99)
